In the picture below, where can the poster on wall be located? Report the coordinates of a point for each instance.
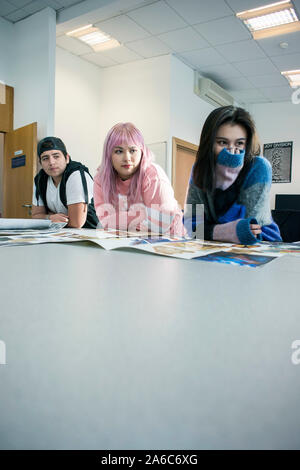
(279, 155)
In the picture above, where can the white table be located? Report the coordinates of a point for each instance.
(125, 350)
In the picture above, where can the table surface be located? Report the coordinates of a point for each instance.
(126, 350)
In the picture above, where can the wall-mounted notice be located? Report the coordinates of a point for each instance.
(16, 162)
(279, 155)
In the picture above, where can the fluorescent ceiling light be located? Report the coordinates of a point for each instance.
(106, 45)
(95, 38)
(77, 32)
(271, 20)
(293, 77)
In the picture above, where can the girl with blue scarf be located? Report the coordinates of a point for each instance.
(231, 181)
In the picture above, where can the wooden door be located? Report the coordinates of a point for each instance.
(19, 169)
(184, 155)
(1, 171)
(6, 108)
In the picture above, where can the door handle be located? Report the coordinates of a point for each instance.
(28, 206)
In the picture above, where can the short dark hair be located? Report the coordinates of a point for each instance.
(204, 168)
(51, 143)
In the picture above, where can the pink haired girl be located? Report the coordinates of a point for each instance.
(130, 191)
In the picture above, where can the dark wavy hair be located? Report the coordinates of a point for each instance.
(204, 168)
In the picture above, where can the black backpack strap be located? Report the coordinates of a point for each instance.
(71, 167)
(41, 180)
(37, 192)
(84, 184)
(91, 219)
(62, 189)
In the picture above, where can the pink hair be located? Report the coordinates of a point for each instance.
(123, 134)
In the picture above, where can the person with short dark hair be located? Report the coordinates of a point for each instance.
(232, 181)
(63, 189)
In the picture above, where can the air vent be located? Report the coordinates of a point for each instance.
(211, 92)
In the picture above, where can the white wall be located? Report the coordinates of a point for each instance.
(78, 107)
(138, 92)
(90, 100)
(33, 71)
(188, 111)
(280, 122)
(27, 62)
(155, 94)
(6, 42)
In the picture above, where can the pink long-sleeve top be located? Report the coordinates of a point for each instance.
(158, 211)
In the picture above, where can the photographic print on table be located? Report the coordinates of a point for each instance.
(240, 259)
(279, 155)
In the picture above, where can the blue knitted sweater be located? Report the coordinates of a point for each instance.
(250, 205)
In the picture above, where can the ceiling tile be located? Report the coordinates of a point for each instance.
(237, 51)
(16, 15)
(219, 72)
(238, 83)
(157, 18)
(194, 11)
(256, 67)
(122, 55)
(18, 3)
(55, 4)
(6, 8)
(68, 3)
(277, 93)
(272, 45)
(185, 39)
(203, 57)
(35, 6)
(123, 28)
(149, 47)
(250, 96)
(99, 59)
(241, 5)
(268, 80)
(75, 46)
(222, 31)
(287, 62)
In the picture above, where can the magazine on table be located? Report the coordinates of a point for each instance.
(12, 226)
(157, 244)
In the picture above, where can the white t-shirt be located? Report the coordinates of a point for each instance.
(74, 193)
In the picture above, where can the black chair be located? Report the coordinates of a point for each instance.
(287, 202)
(288, 222)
